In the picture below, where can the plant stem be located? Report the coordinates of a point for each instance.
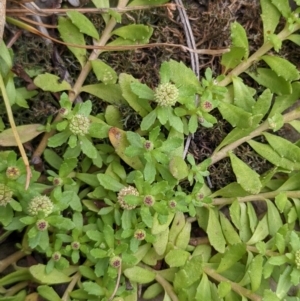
(256, 56)
(258, 131)
(235, 287)
(71, 286)
(13, 258)
(16, 288)
(14, 130)
(167, 287)
(82, 76)
(256, 197)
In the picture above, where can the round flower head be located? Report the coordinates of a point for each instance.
(75, 245)
(149, 200)
(148, 145)
(79, 125)
(172, 204)
(129, 190)
(115, 262)
(206, 106)
(12, 172)
(5, 195)
(56, 256)
(297, 259)
(42, 225)
(140, 234)
(40, 204)
(166, 95)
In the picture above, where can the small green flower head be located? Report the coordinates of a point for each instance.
(148, 145)
(206, 106)
(42, 225)
(5, 195)
(129, 190)
(57, 181)
(63, 112)
(149, 200)
(56, 256)
(115, 262)
(172, 204)
(13, 172)
(79, 125)
(75, 245)
(166, 95)
(297, 259)
(40, 203)
(140, 234)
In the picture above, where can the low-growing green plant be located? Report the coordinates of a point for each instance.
(118, 208)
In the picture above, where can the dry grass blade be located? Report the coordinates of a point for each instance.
(2, 17)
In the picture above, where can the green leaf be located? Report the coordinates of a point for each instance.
(282, 67)
(26, 133)
(142, 90)
(270, 17)
(295, 38)
(93, 288)
(246, 176)
(50, 82)
(161, 241)
(243, 95)
(83, 24)
(48, 293)
(272, 156)
(38, 272)
(214, 232)
(70, 34)
(104, 72)
(178, 168)
(255, 272)
(109, 182)
(158, 227)
(236, 116)
(269, 79)
(239, 37)
(274, 218)
(110, 93)
(60, 222)
(223, 289)
(87, 147)
(283, 147)
(141, 106)
(58, 139)
(284, 283)
(149, 172)
(134, 32)
(233, 58)
(283, 7)
(177, 258)
(229, 231)
(261, 231)
(232, 255)
(203, 292)
(139, 275)
(183, 237)
(148, 121)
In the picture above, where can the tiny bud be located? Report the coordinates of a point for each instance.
(5, 195)
(13, 172)
(297, 259)
(42, 225)
(57, 182)
(63, 112)
(149, 200)
(115, 262)
(172, 204)
(56, 256)
(140, 234)
(206, 106)
(75, 245)
(148, 145)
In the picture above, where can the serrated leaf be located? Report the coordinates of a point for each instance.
(139, 275)
(178, 168)
(109, 182)
(38, 272)
(26, 133)
(214, 232)
(70, 34)
(50, 82)
(48, 293)
(263, 103)
(134, 32)
(274, 218)
(232, 58)
(177, 258)
(142, 90)
(203, 290)
(269, 79)
(282, 67)
(229, 231)
(283, 7)
(270, 17)
(148, 120)
(93, 288)
(239, 37)
(83, 24)
(246, 177)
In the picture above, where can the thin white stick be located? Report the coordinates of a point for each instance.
(2, 17)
